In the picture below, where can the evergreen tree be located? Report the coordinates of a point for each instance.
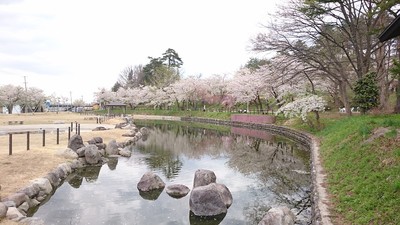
(366, 92)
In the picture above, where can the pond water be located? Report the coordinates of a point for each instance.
(261, 171)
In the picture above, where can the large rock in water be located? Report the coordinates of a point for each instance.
(75, 142)
(210, 200)
(278, 216)
(112, 148)
(92, 154)
(149, 182)
(203, 177)
(177, 190)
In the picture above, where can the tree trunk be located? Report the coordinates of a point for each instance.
(383, 79)
(10, 108)
(259, 102)
(397, 106)
(345, 98)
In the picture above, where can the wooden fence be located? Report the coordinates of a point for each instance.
(40, 134)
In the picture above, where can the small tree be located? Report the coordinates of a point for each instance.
(366, 92)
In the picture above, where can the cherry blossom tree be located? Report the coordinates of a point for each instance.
(34, 99)
(247, 86)
(302, 106)
(10, 96)
(104, 96)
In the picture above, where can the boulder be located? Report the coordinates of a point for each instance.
(75, 164)
(207, 201)
(149, 182)
(125, 152)
(177, 190)
(44, 185)
(75, 142)
(18, 198)
(225, 194)
(101, 146)
(13, 213)
(67, 153)
(97, 140)
(138, 135)
(278, 216)
(3, 210)
(131, 133)
(24, 207)
(144, 130)
(112, 148)
(99, 129)
(130, 141)
(102, 152)
(203, 177)
(59, 173)
(120, 125)
(31, 190)
(92, 155)
(81, 152)
(65, 167)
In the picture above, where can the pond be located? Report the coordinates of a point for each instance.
(260, 169)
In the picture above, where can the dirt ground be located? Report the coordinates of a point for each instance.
(23, 165)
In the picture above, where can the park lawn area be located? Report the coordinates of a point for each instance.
(363, 168)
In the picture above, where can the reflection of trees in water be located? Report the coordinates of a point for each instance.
(280, 168)
(160, 158)
(188, 141)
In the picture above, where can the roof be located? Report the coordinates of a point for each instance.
(391, 31)
(115, 104)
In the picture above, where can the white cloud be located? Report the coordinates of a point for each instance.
(78, 46)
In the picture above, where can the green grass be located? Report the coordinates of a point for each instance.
(363, 177)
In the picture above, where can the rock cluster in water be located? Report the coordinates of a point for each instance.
(207, 198)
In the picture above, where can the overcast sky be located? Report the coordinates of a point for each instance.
(78, 46)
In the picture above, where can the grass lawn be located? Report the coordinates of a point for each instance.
(363, 168)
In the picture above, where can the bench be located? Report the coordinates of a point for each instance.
(15, 122)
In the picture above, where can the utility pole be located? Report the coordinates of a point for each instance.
(26, 97)
(70, 96)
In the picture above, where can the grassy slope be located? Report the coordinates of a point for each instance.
(363, 177)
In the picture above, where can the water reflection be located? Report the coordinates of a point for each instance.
(112, 163)
(151, 195)
(201, 220)
(261, 173)
(89, 173)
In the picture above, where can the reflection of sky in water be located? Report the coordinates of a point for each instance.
(114, 199)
